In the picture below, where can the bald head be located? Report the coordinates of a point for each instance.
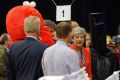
(74, 24)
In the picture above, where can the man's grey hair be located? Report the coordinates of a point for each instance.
(78, 30)
(32, 24)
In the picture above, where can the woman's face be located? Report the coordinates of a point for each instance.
(78, 39)
(88, 40)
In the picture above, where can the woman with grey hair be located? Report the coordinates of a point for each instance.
(79, 34)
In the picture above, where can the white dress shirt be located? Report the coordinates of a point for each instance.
(59, 59)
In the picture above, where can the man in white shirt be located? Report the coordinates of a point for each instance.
(59, 59)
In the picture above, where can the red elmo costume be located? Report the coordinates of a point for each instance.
(15, 21)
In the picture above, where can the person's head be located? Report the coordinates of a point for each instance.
(32, 26)
(63, 31)
(74, 24)
(6, 40)
(79, 36)
(52, 26)
(88, 40)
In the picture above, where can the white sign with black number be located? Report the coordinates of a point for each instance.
(63, 13)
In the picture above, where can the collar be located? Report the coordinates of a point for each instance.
(75, 48)
(61, 42)
(33, 37)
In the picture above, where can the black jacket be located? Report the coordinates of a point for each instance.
(25, 60)
(104, 63)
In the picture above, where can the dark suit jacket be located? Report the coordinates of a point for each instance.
(25, 60)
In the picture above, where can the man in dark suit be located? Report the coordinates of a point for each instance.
(24, 59)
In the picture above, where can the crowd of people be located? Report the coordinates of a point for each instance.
(50, 49)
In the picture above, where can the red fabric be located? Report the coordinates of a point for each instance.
(15, 23)
(87, 56)
(46, 36)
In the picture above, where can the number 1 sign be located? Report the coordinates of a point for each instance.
(63, 13)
